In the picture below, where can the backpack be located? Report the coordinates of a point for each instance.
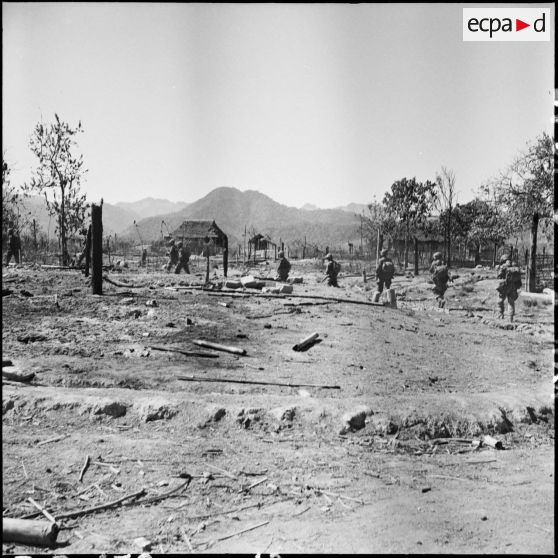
(441, 273)
(336, 267)
(388, 269)
(513, 277)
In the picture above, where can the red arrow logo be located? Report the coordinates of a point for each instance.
(519, 25)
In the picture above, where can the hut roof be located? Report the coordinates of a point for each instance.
(195, 229)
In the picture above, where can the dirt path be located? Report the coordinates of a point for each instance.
(401, 483)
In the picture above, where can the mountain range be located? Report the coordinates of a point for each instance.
(234, 210)
(231, 209)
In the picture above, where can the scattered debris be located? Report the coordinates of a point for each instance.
(492, 442)
(155, 408)
(355, 420)
(143, 544)
(31, 338)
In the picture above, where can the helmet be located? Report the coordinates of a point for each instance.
(179, 245)
(10, 231)
(504, 258)
(329, 257)
(171, 241)
(281, 254)
(384, 252)
(437, 255)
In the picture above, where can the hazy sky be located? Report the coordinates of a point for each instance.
(308, 103)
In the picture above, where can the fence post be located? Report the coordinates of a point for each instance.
(97, 249)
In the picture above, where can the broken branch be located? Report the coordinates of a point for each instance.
(57, 439)
(102, 506)
(238, 532)
(42, 510)
(84, 468)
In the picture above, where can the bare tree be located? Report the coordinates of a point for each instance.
(58, 177)
(446, 201)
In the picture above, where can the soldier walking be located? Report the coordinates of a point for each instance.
(508, 287)
(14, 246)
(385, 270)
(441, 276)
(332, 271)
(183, 258)
(173, 256)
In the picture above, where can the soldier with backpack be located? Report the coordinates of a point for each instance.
(332, 271)
(508, 287)
(441, 276)
(385, 270)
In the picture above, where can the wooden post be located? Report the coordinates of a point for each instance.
(88, 251)
(225, 255)
(416, 256)
(97, 249)
(532, 271)
(244, 252)
(207, 262)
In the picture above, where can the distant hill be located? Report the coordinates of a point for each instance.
(115, 219)
(309, 207)
(150, 207)
(232, 210)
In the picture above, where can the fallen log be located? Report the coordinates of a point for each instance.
(315, 297)
(306, 343)
(187, 353)
(128, 286)
(23, 378)
(218, 347)
(28, 531)
(256, 382)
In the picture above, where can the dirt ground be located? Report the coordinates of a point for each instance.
(371, 447)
